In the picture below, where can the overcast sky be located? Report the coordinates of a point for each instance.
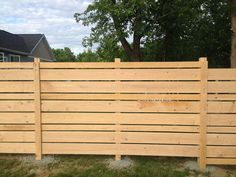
(54, 18)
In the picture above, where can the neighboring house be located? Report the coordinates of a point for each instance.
(24, 47)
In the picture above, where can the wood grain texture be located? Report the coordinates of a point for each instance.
(120, 65)
(16, 87)
(16, 74)
(37, 110)
(125, 149)
(121, 87)
(222, 74)
(124, 118)
(16, 106)
(121, 106)
(89, 96)
(203, 114)
(221, 161)
(17, 148)
(16, 65)
(120, 74)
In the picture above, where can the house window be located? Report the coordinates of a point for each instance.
(1, 57)
(14, 58)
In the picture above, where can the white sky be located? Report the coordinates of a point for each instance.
(54, 18)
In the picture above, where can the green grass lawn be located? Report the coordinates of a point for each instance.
(93, 166)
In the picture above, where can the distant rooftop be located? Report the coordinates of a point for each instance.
(23, 43)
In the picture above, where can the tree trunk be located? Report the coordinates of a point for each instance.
(136, 48)
(233, 39)
(133, 53)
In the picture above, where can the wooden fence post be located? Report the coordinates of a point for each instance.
(203, 114)
(37, 111)
(118, 156)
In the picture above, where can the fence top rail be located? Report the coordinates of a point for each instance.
(120, 65)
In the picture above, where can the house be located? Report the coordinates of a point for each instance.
(24, 47)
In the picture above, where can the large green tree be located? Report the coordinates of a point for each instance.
(166, 30)
(233, 27)
(64, 55)
(88, 56)
(124, 21)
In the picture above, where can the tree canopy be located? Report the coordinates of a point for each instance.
(152, 30)
(64, 55)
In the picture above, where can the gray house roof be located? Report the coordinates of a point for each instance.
(31, 40)
(12, 42)
(24, 44)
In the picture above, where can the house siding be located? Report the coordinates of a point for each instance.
(42, 51)
(23, 58)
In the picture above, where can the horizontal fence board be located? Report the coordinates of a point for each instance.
(16, 96)
(160, 128)
(222, 107)
(132, 128)
(15, 148)
(221, 129)
(159, 138)
(82, 137)
(152, 97)
(122, 74)
(121, 87)
(16, 65)
(222, 74)
(220, 97)
(222, 87)
(124, 149)
(72, 127)
(16, 106)
(125, 137)
(78, 148)
(221, 120)
(221, 161)
(17, 127)
(221, 139)
(120, 65)
(159, 150)
(22, 86)
(16, 74)
(16, 118)
(124, 118)
(124, 106)
(16, 136)
(221, 151)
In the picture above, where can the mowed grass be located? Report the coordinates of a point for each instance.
(92, 166)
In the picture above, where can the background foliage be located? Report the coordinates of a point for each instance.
(168, 30)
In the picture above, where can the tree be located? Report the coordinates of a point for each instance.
(233, 28)
(190, 29)
(120, 20)
(64, 55)
(163, 30)
(109, 49)
(87, 56)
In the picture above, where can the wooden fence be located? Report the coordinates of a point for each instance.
(119, 108)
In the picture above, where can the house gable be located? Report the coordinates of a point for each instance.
(43, 50)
